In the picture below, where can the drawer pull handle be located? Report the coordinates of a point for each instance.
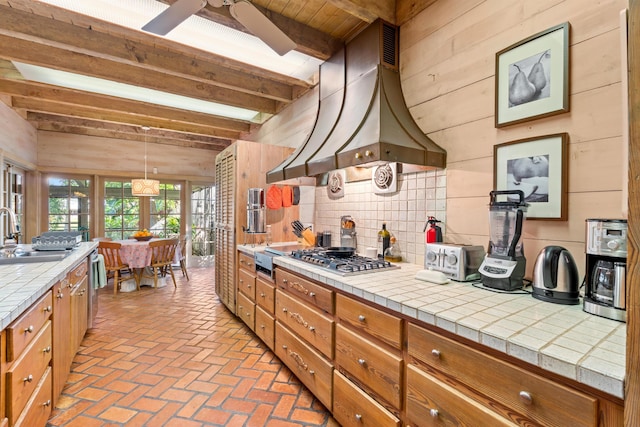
(312, 328)
(47, 349)
(47, 403)
(29, 329)
(28, 379)
(435, 353)
(47, 309)
(284, 346)
(526, 397)
(362, 362)
(284, 309)
(261, 326)
(361, 318)
(285, 281)
(248, 286)
(312, 372)
(60, 295)
(262, 295)
(358, 417)
(312, 294)
(433, 413)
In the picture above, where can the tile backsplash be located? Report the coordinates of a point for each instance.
(419, 195)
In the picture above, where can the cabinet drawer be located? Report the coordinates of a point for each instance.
(369, 363)
(246, 261)
(24, 329)
(247, 283)
(265, 327)
(310, 324)
(548, 403)
(77, 274)
(25, 374)
(246, 310)
(365, 318)
(354, 408)
(308, 365)
(431, 402)
(265, 295)
(38, 409)
(306, 290)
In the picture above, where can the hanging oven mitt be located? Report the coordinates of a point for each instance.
(296, 194)
(287, 196)
(274, 197)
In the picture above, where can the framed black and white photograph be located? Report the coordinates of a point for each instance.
(532, 77)
(538, 167)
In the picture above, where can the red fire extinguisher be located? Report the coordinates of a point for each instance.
(434, 233)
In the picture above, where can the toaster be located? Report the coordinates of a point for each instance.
(457, 262)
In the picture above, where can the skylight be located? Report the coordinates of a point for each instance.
(199, 33)
(127, 91)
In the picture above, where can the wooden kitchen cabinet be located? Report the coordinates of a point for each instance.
(246, 286)
(431, 403)
(246, 310)
(354, 408)
(79, 296)
(510, 387)
(241, 166)
(265, 294)
(29, 352)
(306, 290)
(265, 304)
(306, 322)
(62, 355)
(311, 368)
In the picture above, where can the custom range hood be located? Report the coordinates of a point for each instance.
(362, 118)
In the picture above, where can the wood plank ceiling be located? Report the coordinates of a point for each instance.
(40, 34)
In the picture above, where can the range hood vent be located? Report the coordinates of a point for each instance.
(362, 118)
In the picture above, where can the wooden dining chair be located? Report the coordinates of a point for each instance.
(183, 256)
(113, 263)
(162, 253)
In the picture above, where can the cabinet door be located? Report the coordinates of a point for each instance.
(62, 355)
(79, 314)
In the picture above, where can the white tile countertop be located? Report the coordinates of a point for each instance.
(558, 338)
(22, 284)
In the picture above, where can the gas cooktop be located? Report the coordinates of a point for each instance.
(344, 266)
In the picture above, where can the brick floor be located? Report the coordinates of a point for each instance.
(177, 357)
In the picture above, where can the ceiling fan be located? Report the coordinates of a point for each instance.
(242, 10)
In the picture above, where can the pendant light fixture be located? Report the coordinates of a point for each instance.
(145, 187)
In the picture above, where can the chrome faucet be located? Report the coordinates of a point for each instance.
(13, 224)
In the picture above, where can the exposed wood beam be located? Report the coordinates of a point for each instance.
(48, 32)
(146, 119)
(407, 9)
(69, 97)
(80, 126)
(32, 52)
(368, 10)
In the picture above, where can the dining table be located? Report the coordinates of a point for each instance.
(137, 255)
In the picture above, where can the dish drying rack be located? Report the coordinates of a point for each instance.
(56, 241)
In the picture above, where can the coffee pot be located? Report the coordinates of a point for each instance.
(605, 278)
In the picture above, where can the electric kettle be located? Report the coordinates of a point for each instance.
(555, 277)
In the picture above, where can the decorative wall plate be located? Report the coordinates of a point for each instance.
(384, 178)
(335, 184)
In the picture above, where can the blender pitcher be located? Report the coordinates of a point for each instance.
(504, 265)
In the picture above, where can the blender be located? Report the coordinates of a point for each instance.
(504, 265)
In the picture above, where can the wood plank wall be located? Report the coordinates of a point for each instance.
(447, 59)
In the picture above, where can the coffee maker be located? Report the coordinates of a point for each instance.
(605, 276)
(504, 264)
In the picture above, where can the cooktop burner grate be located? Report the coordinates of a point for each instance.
(354, 264)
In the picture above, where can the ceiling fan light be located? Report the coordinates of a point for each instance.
(260, 26)
(173, 16)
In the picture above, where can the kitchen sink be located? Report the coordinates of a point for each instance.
(34, 256)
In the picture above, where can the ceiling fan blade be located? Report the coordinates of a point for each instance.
(173, 16)
(260, 26)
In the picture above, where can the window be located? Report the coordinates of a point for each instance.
(121, 210)
(69, 204)
(203, 200)
(12, 197)
(165, 211)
